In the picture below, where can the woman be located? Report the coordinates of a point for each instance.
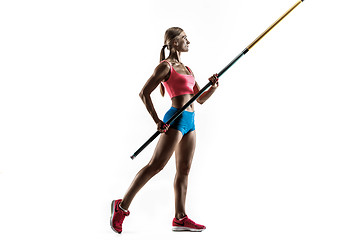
(179, 136)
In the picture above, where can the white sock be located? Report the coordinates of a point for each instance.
(122, 208)
(182, 218)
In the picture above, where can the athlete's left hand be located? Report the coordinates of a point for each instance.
(214, 80)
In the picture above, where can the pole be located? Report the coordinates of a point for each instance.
(196, 96)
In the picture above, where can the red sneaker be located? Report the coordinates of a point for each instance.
(117, 216)
(186, 224)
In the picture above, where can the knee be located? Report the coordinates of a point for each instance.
(183, 170)
(155, 168)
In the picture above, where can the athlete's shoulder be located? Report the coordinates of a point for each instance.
(163, 67)
(165, 63)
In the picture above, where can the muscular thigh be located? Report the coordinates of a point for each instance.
(184, 152)
(165, 147)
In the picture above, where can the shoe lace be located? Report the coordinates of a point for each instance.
(191, 222)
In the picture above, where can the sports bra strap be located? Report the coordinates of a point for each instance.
(166, 61)
(189, 70)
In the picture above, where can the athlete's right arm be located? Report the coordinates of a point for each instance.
(160, 73)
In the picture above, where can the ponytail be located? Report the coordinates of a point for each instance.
(162, 53)
(162, 57)
(162, 90)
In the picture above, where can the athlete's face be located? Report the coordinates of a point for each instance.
(182, 43)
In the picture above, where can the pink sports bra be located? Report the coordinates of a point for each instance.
(179, 84)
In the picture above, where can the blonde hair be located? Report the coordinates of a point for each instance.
(170, 35)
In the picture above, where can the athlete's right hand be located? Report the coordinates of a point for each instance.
(162, 127)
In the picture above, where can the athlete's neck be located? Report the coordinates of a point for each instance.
(174, 56)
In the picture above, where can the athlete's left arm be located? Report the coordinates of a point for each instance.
(207, 94)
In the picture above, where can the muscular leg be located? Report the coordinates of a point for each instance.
(163, 151)
(184, 153)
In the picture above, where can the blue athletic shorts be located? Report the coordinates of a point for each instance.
(185, 123)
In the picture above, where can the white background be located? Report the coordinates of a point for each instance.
(277, 145)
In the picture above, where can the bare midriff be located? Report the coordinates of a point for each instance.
(179, 101)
